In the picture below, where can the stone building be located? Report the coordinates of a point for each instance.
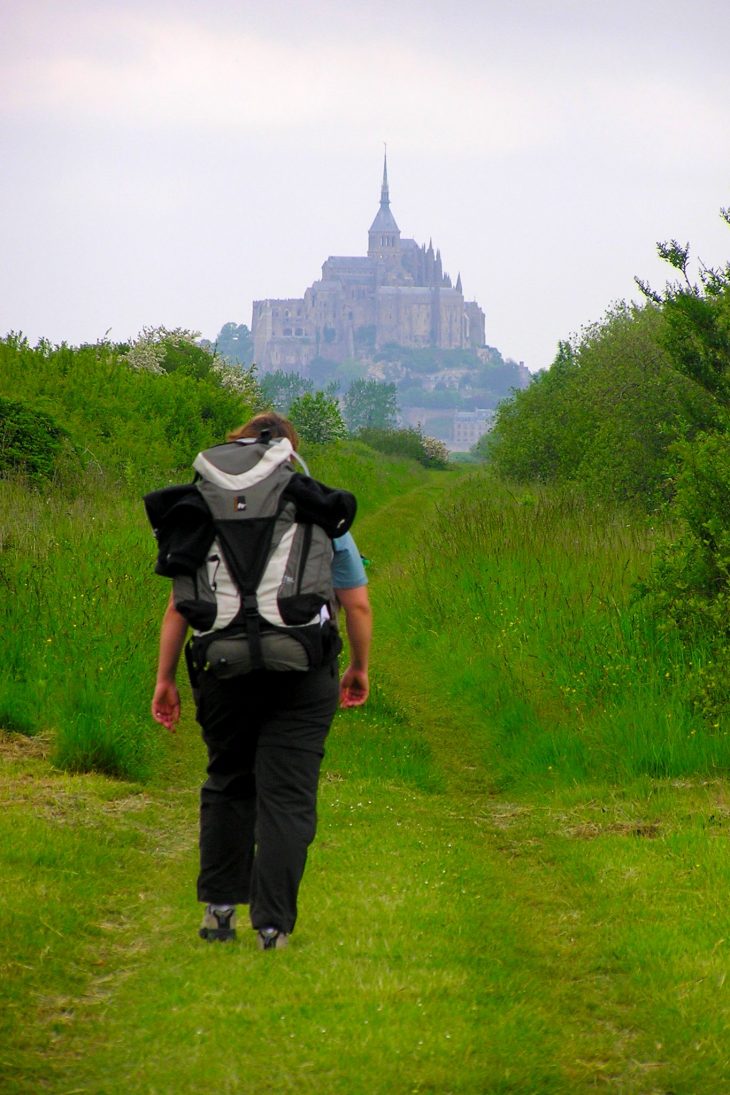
(396, 294)
(469, 426)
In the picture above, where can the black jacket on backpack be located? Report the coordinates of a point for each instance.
(247, 545)
(184, 528)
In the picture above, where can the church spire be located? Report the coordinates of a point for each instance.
(384, 192)
(384, 234)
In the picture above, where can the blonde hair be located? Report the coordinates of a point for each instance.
(276, 424)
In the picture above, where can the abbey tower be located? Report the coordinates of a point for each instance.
(396, 294)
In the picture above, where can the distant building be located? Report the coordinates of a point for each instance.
(397, 293)
(469, 426)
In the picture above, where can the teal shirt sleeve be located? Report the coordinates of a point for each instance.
(348, 571)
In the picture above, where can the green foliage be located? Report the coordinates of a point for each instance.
(376, 479)
(522, 605)
(31, 442)
(697, 338)
(688, 588)
(604, 415)
(412, 443)
(160, 350)
(370, 404)
(689, 585)
(187, 357)
(638, 410)
(402, 442)
(279, 389)
(136, 423)
(430, 359)
(83, 608)
(234, 343)
(317, 418)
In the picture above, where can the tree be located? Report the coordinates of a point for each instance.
(280, 389)
(370, 404)
(316, 417)
(604, 415)
(234, 343)
(165, 350)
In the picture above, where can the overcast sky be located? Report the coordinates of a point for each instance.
(168, 163)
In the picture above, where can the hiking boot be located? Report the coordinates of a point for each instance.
(219, 923)
(271, 939)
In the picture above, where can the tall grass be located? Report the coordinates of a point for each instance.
(373, 477)
(520, 612)
(83, 610)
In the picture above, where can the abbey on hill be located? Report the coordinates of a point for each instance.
(396, 294)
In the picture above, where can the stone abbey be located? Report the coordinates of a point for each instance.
(397, 294)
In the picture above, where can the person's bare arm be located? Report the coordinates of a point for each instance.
(355, 685)
(166, 698)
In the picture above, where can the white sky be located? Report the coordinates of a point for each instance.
(169, 162)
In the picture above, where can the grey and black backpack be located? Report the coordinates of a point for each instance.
(249, 548)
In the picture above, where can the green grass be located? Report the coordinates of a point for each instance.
(447, 942)
(512, 889)
(83, 608)
(374, 477)
(524, 609)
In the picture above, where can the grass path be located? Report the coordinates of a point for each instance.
(449, 940)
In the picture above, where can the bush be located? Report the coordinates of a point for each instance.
(689, 585)
(316, 418)
(428, 451)
(138, 425)
(31, 442)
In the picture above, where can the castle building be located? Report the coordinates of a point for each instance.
(396, 294)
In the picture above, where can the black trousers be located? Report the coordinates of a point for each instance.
(265, 735)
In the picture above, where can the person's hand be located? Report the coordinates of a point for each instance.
(166, 704)
(354, 688)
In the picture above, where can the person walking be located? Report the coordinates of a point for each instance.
(265, 732)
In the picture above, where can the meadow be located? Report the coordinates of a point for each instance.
(520, 874)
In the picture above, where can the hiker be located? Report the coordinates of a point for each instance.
(264, 728)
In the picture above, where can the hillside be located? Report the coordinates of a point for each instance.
(431, 385)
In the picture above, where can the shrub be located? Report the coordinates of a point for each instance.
(31, 442)
(689, 585)
(411, 442)
(316, 418)
(138, 425)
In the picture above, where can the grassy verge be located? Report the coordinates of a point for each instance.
(518, 616)
(83, 607)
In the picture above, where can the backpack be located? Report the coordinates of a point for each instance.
(248, 546)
